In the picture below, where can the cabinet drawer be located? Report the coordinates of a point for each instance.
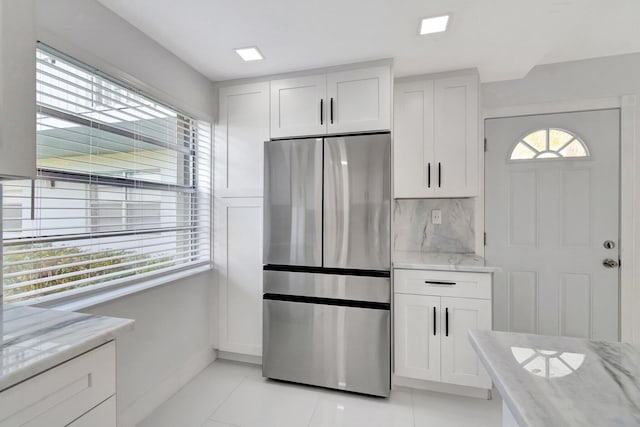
(442, 283)
(60, 395)
(103, 415)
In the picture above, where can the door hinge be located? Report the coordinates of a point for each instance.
(485, 239)
(485, 145)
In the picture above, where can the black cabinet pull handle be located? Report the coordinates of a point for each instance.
(446, 321)
(439, 175)
(434, 321)
(436, 282)
(331, 110)
(429, 175)
(322, 111)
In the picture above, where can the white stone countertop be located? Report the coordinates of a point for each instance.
(558, 381)
(36, 339)
(442, 262)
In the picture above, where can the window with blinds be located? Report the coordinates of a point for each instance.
(123, 189)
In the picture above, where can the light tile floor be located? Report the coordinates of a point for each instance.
(229, 394)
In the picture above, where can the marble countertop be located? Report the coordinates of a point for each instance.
(442, 262)
(558, 381)
(36, 339)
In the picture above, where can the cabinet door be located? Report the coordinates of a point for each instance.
(417, 336)
(359, 100)
(413, 139)
(460, 364)
(17, 89)
(238, 261)
(456, 137)
(240, 133)
(298, 106)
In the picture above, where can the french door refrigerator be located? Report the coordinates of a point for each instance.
(327, 259)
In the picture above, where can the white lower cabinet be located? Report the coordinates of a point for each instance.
(417, 341)
(459, 362)
(431, 327)
(65, 394)
(238, 260)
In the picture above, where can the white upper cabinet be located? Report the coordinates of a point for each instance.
(341, 102)
(436, 141)
(456, 141)
(242, 129)
(413, 138)
(359, 100)
(298, 106)
(17, 89)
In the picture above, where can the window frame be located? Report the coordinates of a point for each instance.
(548, 130)
(189, 148)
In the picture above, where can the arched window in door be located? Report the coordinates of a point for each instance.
(549, 143)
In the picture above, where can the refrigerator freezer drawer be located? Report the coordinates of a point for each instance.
(320, 285)
(341, 347)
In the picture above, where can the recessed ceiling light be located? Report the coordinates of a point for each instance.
(437, 24)
(249, 53)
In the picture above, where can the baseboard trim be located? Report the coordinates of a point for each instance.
(152, 399)
(399, 383)
(239, 357)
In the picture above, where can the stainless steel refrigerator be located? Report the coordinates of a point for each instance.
(327, 259)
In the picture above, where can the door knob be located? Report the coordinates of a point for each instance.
(610, 263)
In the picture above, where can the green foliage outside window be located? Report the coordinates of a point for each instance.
(82, 263)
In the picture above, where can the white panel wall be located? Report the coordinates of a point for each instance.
(172, 336)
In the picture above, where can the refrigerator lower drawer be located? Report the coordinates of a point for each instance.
(335, 346)
(324, 285)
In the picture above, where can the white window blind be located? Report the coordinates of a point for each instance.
(123, 189)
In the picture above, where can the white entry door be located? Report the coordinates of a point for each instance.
(552, 222)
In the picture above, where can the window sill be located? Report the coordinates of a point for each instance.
(86, 300)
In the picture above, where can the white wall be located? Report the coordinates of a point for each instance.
(91, 33)
(172, 337)
(586, 85)
(568, 81)
(169, 345)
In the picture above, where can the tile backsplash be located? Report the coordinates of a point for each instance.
(413, 230)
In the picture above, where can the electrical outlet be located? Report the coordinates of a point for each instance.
(436, 217)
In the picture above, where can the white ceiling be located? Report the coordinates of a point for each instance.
(504, 39)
